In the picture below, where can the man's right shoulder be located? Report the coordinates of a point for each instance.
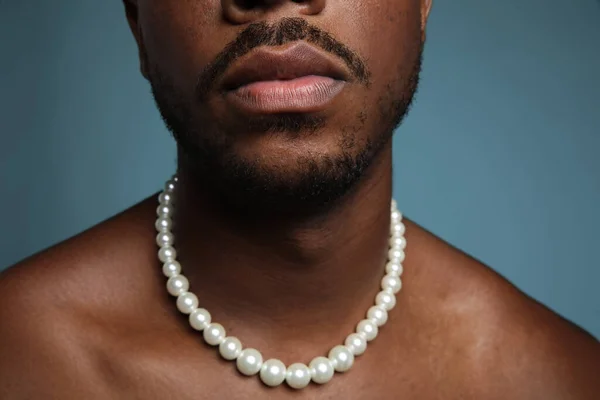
(46, 300)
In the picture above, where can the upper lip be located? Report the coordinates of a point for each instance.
(295, 61)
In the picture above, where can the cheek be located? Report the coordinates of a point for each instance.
(181, 37)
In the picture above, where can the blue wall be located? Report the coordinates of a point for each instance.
(499, 156)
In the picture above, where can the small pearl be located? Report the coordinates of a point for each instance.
(165, 239)
(167, 253)
(163, 224)
(321, 370)
(356, 343)
(396, 255)
(386, 299)
(398, 229)
(230, 348)
(369, 328)
(171, 268)
(342, 358)
(394, 205)
(165, 198)
(164, 210)
(394, 268)
(214, 334)
(170, 186)
(298, 376)
(249, 362)
(200, 319)
(378, 314)
(391, 282)
(178, 285)
(398, 242)
(187, 302)
(273, 372)
(396, 216)
(175, 178)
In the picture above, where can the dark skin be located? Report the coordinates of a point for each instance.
(90, 318)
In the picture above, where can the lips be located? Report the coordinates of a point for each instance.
(298, 78)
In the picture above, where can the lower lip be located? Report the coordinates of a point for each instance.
(304, 94)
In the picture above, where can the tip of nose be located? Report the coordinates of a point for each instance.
(245, 11)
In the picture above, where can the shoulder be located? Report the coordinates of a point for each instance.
(50, 303)
(510, 343)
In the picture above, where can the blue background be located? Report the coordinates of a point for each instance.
(500, 155)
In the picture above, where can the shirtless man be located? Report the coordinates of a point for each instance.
(283, 112)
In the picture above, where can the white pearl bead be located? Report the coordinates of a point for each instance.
(273, 372)
(164, 210)
(175, 178)
(386, 299)
(356, 343)
(163, 224)
(170, 186)
(298, 376)
(396, 255)
(321, 370)
(378, 314)
(165, 198)
(396, 216)
(165, 239)
(200, 319)
(398, 242)
(177, 285)
(368, 328)
(394, 268)
(167, 253)
(214, 334)
(187, 302)
(391, 282)
(249, 362)
(394, 205)
(342, 358)
(230, 348)
(398, 229)
(171, 268)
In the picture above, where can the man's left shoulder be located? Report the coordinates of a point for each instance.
(511, 345)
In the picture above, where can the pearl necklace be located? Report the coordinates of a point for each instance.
(249, 361)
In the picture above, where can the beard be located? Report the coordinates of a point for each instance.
(311, 182)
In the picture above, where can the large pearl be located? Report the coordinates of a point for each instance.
(391, 282)
(171, 268)
(249, 362)
(356, 343)
(230, 348)
(187, 302)
(273, 372)
(177, 285)
(163, 224)
(342, 358)
(368, 328)
(321, 370)
(394, 268)
(164, 239)
(378, 314)
(298, 376)
(167, 253)
(214, 334)
(386, 299)
(200, 319)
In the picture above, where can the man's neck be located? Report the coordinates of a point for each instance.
(324, 270)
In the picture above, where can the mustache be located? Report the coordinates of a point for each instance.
(285, 31)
